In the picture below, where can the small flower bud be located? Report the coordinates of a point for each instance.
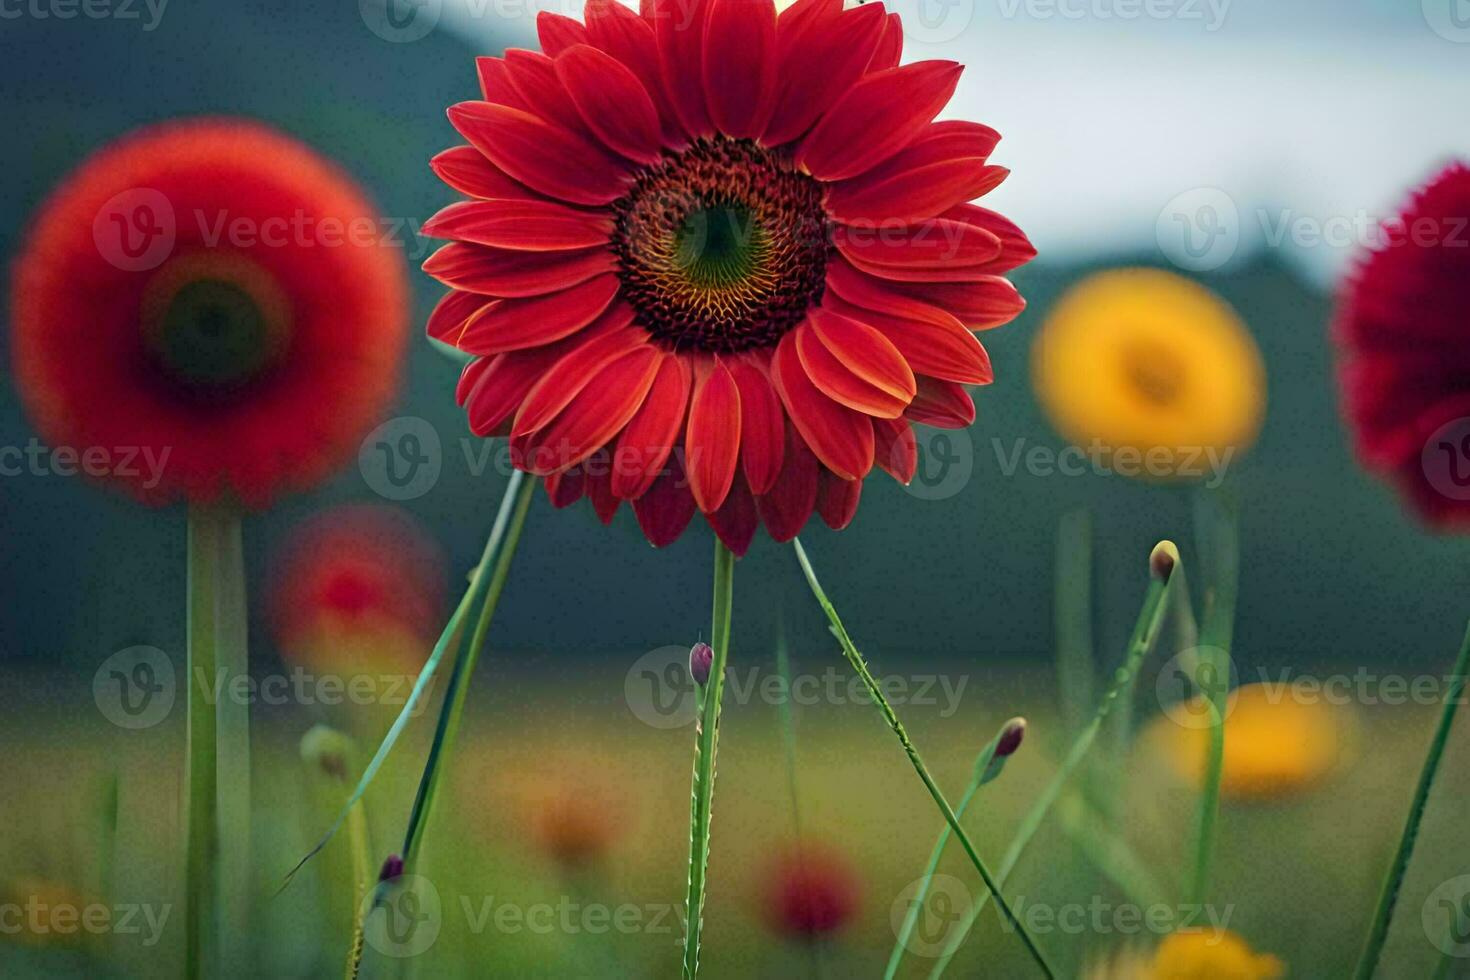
(327, 750)
(1162, 560)
(392, 868)
(1010, 738)
(701, 659)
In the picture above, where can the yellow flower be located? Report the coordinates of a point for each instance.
(1151, 371)
(1278, 739)
(1192, 954)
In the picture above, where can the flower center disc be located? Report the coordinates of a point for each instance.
(1155, 372)
(213, 323)
(722, 247)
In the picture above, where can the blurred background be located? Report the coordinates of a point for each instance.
(1245, 144)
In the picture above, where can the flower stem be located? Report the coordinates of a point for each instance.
(1378, 933)
(1145, 635)
(505, 535)
(362, 877)
(876, 693)
(233, 748)
(706, 744)
(201, 816)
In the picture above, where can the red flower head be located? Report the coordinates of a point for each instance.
(1403, 332)
(719, 260)
(810, 893)
(210, 294)
(355, 576)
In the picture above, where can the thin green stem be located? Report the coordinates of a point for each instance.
(1388, 898)
(875, 691)
(362, 877)
(505, 535)
(233, 748)
(1145, 635)
(200, 816)
(788, 732)
(706, 744)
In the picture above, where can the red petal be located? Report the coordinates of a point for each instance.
(679, 27)
(986, 302)
(452, 312)
(1015, 248)
(557, 32)
(737, 519)
(789, 504)
(468, 378)
(502, 387)
(895, 449)
(821, 57)
(598, 480)
(802, 14)
(841, 438)
(596, 414)
(878, 116)
(712, 440)
(612, 101)
(645, 444)
(527, 226)
(943, 404)
(569, 375)
(861, 289)
(466, 170)
(935, 247)
(565, 489)
(890, 45)
(945, 166)
(835, 380)
(501, 272)
(518, 323)
(540, 155)
(495, 83)
(865, 352)
(740, 66)
(534, 76)
(665, 510)
(629, 38)
(762, 425)
(948, 350)
(837, 500)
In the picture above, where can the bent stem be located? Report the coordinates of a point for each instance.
(1388, 898)
(876, 693)
(706, 743)
(505, 535)
(207, 528)
(1145, 635)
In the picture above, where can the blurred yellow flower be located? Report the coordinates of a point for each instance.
(44, 912)
(1192, 954)
(1279, 738)
(1151, 371)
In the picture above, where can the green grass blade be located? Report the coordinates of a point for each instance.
(505, 536)
(788, 727)
(706, 745)
(1145, 636)
(875, 691)
(1076, 664)
(1110, 853)
(987, 767)
(421, 685)
(1388, 898)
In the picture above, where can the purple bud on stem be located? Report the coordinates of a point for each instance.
(701, 658)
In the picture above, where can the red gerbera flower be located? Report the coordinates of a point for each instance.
(1403, 332)
(719, 260)
(358, 574)
(809, 893)
(212, 293)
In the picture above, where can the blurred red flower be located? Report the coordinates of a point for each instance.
(809, 892)
(213, 296)
(1403, 335)
(719, 260)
